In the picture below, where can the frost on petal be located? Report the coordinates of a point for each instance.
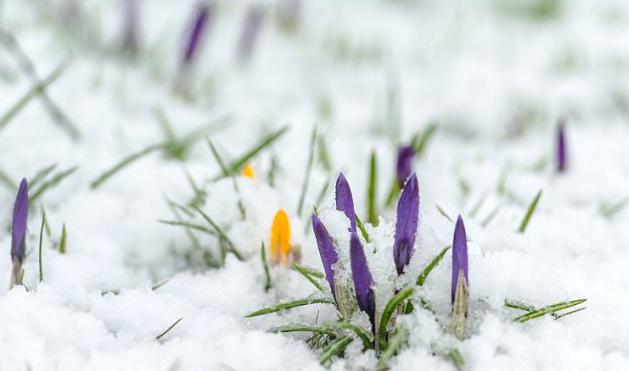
(345, 202)
(406, 224)
(18, 227)
(363, 282)
(404, 165)
(327, 251)
(280, 239)
(459, 256)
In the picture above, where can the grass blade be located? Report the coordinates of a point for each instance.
(519, 305)
(397, 341)
(98, 181)
(64, 240)
(371, 191)
(362, 229)
(529, 212)
(189, 225)
(550, 309)
(420, 142)
(54, 181)
(158, 337)
(267, 274)
(444, 213)
(40, 175)
(41, 240)
(433, 263)
(289, 305)
(221, 164)
(221, 234)
(334, 348)
(359, 331)
(388, 311)
(304, 187)
(303, 272)
(301, 328)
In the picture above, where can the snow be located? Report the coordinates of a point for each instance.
(496, 81)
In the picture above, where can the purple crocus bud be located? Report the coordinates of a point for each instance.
(250, 31)
(459, 256)
(406, 224)
(345, 201)
(562, 157)
(196, 33)
(130, 26)
(404, 166)
(18, 228)
(326, 250)
(363, 282)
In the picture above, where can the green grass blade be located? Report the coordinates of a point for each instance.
(519, 305)
(99, 180)
(35, 91)
(221, 234)
(362, 229)
(7, 181)
(303, 272)
(388, 311)
(550, 309)
(304, 186)
(610, 210)
(444, 213)
(420, 142)
(433, 263)
(456, 358)
(158, 337)
(490, 217)
(40, 175)
(190, 225)
(289, 305)
(64, 240)
(41, 240)
(335, 348)
(302, 328)
(371, 190)
(359, 331)
(53, 182)
(557, 316)
(396, 342)
(268, 283)
(529, 212)
(221, 164)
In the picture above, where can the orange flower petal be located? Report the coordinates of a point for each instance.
(248, 172)
(280, 238)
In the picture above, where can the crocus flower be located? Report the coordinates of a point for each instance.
(345, 202)
(280, 238)
(196, 33)
(404, 166)
(250, 31)
(130, 27)
(363, 282)
(459, 256)
(326, 250)
(248, 172)
(562, 157)
(18, 231)
(406, 224)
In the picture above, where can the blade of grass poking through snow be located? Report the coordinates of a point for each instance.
(362, 229)
(335, 348)
(420, 142)
(189, 225)
(235, 166)
(371, 190)
(567, 314)
(52, 182)
(41, 243)
(610, 210)
(444, 213)
(529, 212)
(36, 90)
(221, 164)
(519, 305)
(289, 305)
(388, 311)
(324, 154)
(41, 174)
(359, 331)
(490, 217)
(158, 337)
(306, 275)
(302, 328)
(304, 186)
(64, 240)
(476, 208)
(158, 285)
(7, 181)
(98, 181)
(421, 279)
(268, 283)
(550, 309)
(396, 342)
(221, 234)
(456, 358)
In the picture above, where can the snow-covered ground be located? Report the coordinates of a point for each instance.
(495, 76)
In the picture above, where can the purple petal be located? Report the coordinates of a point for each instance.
(130, 31)
(250, 31)
(198, 27)
(345, 202)
(459, 255)
(405, 157)
(20, 216)
(326, 250)
(406, 224)
(363, 281)
(562, 158)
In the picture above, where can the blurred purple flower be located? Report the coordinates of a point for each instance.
(405, 156)
(250, 31)
(562, 157)
(406, 224)
(326, 250)
(363, 282)
(130, 27)
(18, 227)
(459, 256)
(199, 25)
(345, 202)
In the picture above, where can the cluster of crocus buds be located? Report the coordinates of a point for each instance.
(250, 30)
(18, 233)
(460, 281)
